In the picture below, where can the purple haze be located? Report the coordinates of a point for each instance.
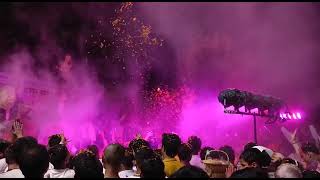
(267, 48)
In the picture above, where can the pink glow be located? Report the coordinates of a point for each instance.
(298, 115)
(281, 115)
(240, 35)
(294, 116)
(284, 115)
(289, 116)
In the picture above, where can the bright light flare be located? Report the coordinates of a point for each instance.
(298, 115)
(294, 116)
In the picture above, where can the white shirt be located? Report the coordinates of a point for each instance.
(133, 176)
(14, 173)
(50, 166)
(196, 161)
(3, 165)
(126, 173)
(59, 173)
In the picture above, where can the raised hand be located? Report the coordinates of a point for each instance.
(17, 128)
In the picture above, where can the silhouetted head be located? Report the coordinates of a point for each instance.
(229, 150)
(250, 173)
(127, 161)
(288, 171)
(87, 165)
(310, 174)
(54, 140)
(143, 154)
(112, 157)
(3, 146)
(195, 143)
(11, 155)
(170, 144)
(136, 144)
(59, 156)
(250, 158)
(94, 148)
(309, 151)
(190, 172)
(34, 161)
(152, 167)
(250, 145)
(185, 153)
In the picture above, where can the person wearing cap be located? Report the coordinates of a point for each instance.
(216, 163)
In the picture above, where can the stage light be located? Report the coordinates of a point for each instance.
(281, 116)
(289, 116)
(266, 105)
(284, 115)
(294, 116)
(298, 115)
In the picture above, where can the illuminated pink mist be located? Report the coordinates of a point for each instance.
(214, 45)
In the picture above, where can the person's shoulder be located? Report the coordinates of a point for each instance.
(70, 173)
(16, 173)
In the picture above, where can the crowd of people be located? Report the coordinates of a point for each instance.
(23, 157)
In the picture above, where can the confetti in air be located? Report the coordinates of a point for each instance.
(131, 42)
(165, 105)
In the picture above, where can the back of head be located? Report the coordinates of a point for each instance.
(127, 160)
(195, 143)
(190, 172)
(136, 144)
(288, 171)
(185, 152)
(289, 161)
(311, 174)
(250, 145)
(143, 154)
(94, 148)
(229, 150)
(35, 161)
(23, 143)
(86, 165)
(251, 156)
(152, 168)
(204, 151)
(171, 143)
(54, 140)
(3, 146)
(309, 148)
(58, 156)
(250, 173)
(113, 155)
(11, 155)
(265, 159)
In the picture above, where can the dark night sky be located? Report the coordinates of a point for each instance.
(48, 30)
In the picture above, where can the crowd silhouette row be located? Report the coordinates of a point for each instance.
(23, 157)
